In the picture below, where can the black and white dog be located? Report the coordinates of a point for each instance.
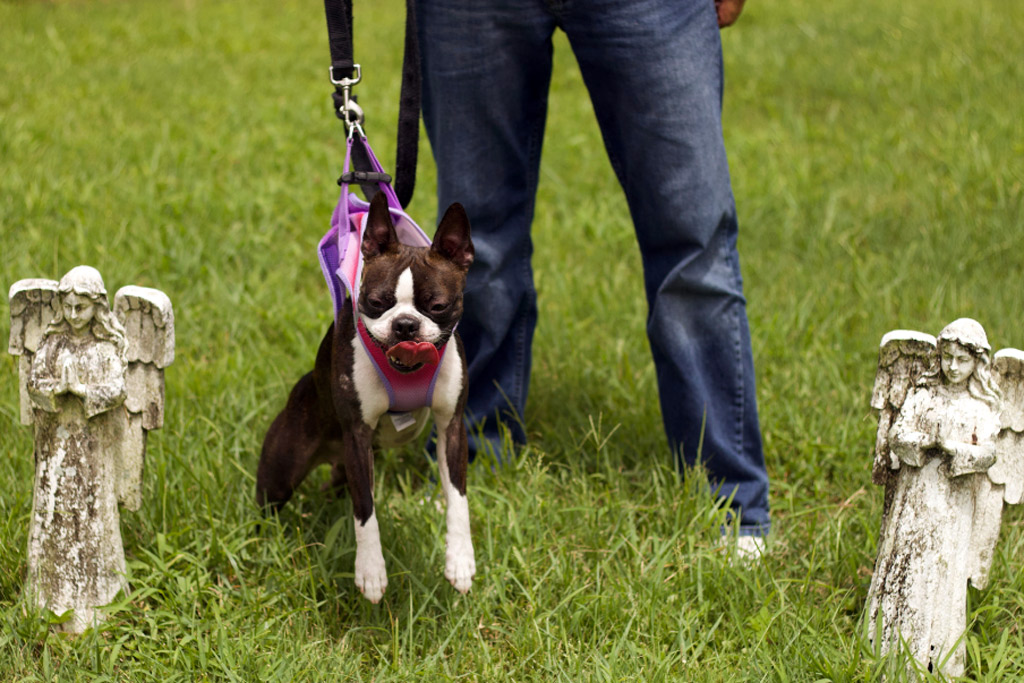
(409, 302)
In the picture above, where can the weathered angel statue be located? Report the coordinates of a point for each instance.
(949, 453)
(92, 386)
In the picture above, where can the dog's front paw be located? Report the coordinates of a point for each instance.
(371, 576)
(460, 567)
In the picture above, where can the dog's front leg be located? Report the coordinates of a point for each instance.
(371, 574)
(452, 462)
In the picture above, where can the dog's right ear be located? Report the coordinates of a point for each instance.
(380, 236)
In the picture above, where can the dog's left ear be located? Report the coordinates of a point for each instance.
(380, 236)
(452, 238)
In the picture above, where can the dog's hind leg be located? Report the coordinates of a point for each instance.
(338, 485)
(291, 447)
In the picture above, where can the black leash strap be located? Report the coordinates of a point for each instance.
(339, 37)
(345, 73)
(408, 111)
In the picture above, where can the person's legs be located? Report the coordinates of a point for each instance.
(486, 71)
(654, 71)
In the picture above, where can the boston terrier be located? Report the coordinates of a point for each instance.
(409, 302)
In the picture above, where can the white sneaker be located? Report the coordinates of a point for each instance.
(743, 550)
(750, 548)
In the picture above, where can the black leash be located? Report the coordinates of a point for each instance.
(345, 73)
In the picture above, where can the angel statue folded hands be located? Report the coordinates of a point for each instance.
(81, 390)
(948, 454)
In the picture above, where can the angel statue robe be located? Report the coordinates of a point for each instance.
(938, 531)
(76, 558)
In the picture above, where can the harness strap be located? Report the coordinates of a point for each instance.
(407, 391)
(342, 263)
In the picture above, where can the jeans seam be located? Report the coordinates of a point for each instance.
(739, 403)
(521, 333)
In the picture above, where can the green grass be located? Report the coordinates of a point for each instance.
(877, 154)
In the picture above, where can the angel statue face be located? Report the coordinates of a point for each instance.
(79, 311)
(83, 308)
(964, 359)
(958, 363)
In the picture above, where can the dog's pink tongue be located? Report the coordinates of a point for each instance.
(412, 353)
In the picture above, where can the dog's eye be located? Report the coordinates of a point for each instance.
(375, 303)
(439, 307)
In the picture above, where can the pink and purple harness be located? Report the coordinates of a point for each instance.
(341, 259)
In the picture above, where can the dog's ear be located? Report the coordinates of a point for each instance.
(452, 238)
(380, 236)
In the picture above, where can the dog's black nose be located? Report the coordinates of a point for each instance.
(405, 327)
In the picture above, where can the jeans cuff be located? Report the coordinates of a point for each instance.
(760, 530)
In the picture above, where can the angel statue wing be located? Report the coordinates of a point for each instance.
(1008, 470)
(1005, 481)
(34, 303)
(903, 357)
(148, 321)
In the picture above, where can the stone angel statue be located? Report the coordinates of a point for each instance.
(91, 383)
(949, 453)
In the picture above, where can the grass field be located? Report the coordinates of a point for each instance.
(877, 152)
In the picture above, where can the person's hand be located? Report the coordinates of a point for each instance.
(728, 11)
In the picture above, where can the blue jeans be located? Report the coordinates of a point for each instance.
(654, 72)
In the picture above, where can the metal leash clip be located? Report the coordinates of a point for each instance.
(350, 112)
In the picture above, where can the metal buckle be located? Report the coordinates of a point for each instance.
(352, 115)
